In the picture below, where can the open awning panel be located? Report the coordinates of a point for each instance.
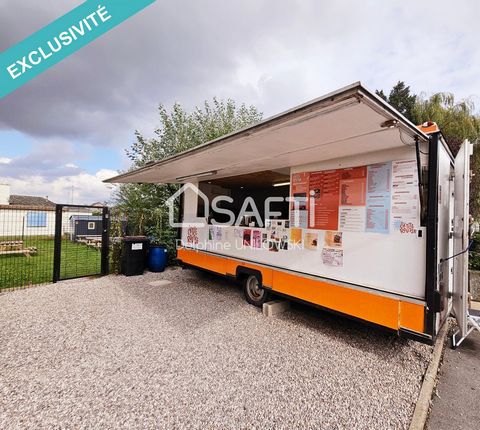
(348, 122)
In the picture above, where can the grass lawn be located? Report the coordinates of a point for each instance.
(76, 260)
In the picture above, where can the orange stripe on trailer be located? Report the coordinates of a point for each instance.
(412, 316)
(378, 309)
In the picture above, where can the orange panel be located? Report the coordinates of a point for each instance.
(205, 261)
(412, 316)
(265, 271)
(370, 307)
(385, 311)
(221, 265)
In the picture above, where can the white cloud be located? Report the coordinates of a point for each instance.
(83, 188)
(5, 160)
(71, 165)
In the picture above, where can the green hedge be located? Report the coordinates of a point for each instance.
(474, 255)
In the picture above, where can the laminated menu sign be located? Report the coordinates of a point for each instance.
(378, 198)
(299, 208)
(324, 189)
(352, 186)
(352, 199)
(352, 218)
(405, 200)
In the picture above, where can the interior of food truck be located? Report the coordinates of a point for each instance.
(254, 189)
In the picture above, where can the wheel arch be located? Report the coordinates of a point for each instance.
(242, 272)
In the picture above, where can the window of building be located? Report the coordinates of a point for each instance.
(36, 219)
(91, 225)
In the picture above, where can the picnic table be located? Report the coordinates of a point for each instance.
(93, 241)
(15, 247)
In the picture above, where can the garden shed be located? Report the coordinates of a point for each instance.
(83, 226)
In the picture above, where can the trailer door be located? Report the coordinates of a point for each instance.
(460, 236)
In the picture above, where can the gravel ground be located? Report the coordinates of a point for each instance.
(120, 352)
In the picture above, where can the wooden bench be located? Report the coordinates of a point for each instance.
(15, 247)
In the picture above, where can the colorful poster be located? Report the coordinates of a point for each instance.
(405, 199)
(257, 239)
(332, 257)
(379, 178)
(284, 239)
(311, 240)
(247, 237)
(192, 236)
(296, 236)
(333, 239)
(324, 192)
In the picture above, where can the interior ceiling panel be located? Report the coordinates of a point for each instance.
(348, 126)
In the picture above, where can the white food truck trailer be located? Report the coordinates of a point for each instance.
(370, 212)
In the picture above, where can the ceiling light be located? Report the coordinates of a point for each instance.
(197, 175)
(281, 184)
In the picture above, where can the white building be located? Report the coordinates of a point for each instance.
(22, 216)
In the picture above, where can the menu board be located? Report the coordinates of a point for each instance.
(324, 192)
(405, 199)
(352, 198)
(352, 186)
(378, 198)
(299, 207)
(362, 199)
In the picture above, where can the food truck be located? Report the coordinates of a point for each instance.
(340, 203)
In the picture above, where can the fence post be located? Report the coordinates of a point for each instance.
(57, 247)
(105, 240)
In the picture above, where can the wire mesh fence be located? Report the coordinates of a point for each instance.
(41, 245)
(26, 246)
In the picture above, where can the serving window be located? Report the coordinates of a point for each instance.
(251, 190)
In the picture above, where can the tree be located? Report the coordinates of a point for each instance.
(457, 121)
(401, 99)
(179, 130)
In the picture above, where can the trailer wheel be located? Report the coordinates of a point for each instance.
(254, 293)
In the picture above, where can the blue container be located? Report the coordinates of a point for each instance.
(157, 258)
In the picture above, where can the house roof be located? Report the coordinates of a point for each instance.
(86, 218)
(338, 124)
(33, 201)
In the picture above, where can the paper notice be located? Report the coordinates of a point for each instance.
(332, 257)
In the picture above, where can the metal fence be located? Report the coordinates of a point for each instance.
(42, 245)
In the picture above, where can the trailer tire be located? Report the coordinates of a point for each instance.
(253, 291)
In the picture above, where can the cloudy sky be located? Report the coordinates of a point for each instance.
(67, 129)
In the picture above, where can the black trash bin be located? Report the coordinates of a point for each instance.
(134, 253)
